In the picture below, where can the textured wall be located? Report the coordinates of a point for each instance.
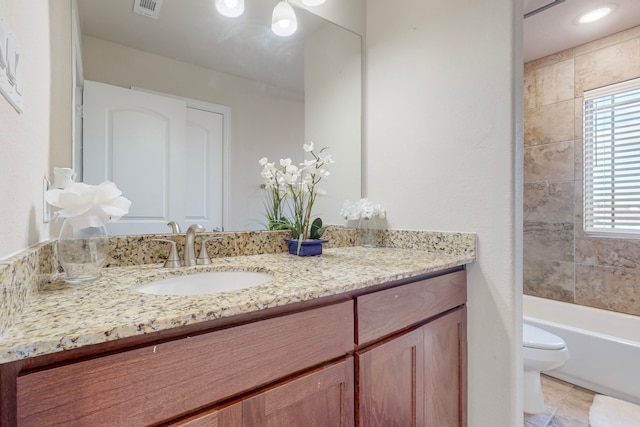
(27, 139)
(559, 261)
(443, 153)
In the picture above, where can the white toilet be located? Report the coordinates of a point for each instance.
(542, 351)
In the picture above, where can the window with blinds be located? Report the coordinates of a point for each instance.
(612, 159)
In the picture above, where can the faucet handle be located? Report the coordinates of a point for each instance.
(174, 226)
(203, 256)
(173, 260)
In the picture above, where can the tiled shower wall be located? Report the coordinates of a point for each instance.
(561, 263)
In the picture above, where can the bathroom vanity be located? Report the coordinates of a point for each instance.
(368, 352)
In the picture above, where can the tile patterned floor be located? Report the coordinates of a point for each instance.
(567, 405)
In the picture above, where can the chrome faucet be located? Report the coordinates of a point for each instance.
(189, 256)
(174, 226)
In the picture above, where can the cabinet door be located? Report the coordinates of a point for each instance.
(390, 388)
(323, 398)
(230, 416)
(445, 370)
(417, 378)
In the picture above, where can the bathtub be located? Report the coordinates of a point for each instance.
(604, 346)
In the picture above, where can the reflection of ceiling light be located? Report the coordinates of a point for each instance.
(284, 21)
(595, 14)
(312, 2)
(230, 8)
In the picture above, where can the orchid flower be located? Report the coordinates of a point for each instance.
(293, 188)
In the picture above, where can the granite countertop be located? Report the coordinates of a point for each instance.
(63, 316)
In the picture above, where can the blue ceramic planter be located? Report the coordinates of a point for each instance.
(307, 247)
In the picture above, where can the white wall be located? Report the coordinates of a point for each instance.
(444, 90)
(25, 138)
(333, 111)
(265, 121)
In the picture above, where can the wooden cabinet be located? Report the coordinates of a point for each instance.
(395, 356)
(445, 370)
(417, 378)
(323, 397)
(227, 416)
(391, 383)
(416, 375)
(164, 380)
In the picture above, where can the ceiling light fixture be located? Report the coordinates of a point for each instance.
(230, 8)
(312, 2)
(595, 14)
(284, 21)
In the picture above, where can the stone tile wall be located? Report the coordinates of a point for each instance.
(559, 261)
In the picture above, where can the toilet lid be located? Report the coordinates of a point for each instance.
(533, 337)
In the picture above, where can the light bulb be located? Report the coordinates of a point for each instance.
(312, 2)
(284, 21)
(230, 8)
(594, 15)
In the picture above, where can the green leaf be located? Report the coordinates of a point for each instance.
(316, 229)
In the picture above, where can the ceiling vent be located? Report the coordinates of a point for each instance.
(148, 8)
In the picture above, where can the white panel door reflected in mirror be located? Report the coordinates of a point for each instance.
(165, 157)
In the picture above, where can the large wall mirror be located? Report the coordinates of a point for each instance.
(273, 94)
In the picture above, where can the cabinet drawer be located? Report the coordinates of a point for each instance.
(382, 313)
(155, 383)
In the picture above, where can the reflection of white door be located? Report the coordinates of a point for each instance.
(159, 153)
(204, 169)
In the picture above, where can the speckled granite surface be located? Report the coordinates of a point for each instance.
(19, 279)
(136, 250)
(40, 314)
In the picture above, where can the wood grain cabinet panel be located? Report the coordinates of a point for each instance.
(155, 383)
(320, 399)
(228, 416)
(445, 370)
(386, 312)
(417, 379)
(390, 383)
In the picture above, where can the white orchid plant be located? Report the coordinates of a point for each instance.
(363, 208)
(85, 205)
(293, 188)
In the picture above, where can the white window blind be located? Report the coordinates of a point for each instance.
(612, 159)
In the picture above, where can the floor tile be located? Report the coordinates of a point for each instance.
(567, 405)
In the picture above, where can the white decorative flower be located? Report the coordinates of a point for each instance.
(293, 190)
(363, 208)
(326, 159)
(308, 147)
(85, 205)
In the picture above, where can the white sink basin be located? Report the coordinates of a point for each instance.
(205, 283)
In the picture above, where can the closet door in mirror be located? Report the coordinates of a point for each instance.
(137, 140)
